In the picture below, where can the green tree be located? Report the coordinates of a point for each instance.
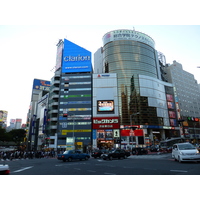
(17, 135)
(4, 137)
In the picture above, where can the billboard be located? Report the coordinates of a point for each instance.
(3, 115)
(105, 105)
(39, 84)
(124, 34)
(75, 58)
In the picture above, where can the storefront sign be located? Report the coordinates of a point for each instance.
(106, 122)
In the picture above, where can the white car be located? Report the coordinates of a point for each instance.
(185, 152)
(4, 170)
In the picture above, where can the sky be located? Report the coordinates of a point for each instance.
(29, 51)
(30, 30)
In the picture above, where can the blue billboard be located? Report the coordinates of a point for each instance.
(75, 58)
(41, 84)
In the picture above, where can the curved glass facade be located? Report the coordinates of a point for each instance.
(129, 59)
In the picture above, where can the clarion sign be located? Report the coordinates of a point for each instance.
(76, 58)
(106, 121)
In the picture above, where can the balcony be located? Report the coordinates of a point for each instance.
(53, 119)
(55, 96)
(53, 111)
(54, 104)
(53, 127)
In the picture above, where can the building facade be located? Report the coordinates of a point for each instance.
(188, 98)
(70, 102)
(106, 123)
(142, 93)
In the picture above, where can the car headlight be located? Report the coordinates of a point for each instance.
(181, 153)
(197, 152)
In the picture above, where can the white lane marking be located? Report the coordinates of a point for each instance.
(91, 171)
(109, 174)
(178, 171)
(77, 168)
(25, 168)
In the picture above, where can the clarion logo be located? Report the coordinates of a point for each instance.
(76, 58)
(105, 121)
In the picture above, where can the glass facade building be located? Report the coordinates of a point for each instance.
(142, 93)
(129, 58)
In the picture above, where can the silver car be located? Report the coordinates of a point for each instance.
(185, 152)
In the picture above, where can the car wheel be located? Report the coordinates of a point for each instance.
(110, 158)
(179, 159)
(69, 159)
(86, 158)
(125, 157)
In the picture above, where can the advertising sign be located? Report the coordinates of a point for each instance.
(124, 34)
(105, 105)
(41, 84)
(75, 58)
(3, 115)
(106, 122)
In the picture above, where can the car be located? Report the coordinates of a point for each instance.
(154, 148)
(4, 169)
(139, 151)
(73, 155)
(185, 152)
(117, 153)
(98, 153)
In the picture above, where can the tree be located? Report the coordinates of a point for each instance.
(17, 135)
(3, 134)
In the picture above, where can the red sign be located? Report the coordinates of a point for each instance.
(126, 132)
(105, 123)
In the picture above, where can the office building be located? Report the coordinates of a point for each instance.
(70, 101)
(39, 89)
(145, 100)
(188, 97)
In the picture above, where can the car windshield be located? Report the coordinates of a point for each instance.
(186, 146)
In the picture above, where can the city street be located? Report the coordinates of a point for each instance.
(134, 165)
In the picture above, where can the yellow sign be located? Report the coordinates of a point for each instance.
(64, 132)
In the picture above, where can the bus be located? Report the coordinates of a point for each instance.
(170, 142)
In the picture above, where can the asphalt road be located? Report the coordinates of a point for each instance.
(134, 165)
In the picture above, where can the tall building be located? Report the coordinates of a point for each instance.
(39, 89)
(105, 111)
(70, 102)
(144, 99)
(188, 97)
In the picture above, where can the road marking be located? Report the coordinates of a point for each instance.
(22, 169)
(178, 171)
(59, 165)
(77, 168)
(91, 171)
(109, 174)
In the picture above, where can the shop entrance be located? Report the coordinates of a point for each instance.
(105, 144)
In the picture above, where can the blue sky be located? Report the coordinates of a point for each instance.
(29, 52)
